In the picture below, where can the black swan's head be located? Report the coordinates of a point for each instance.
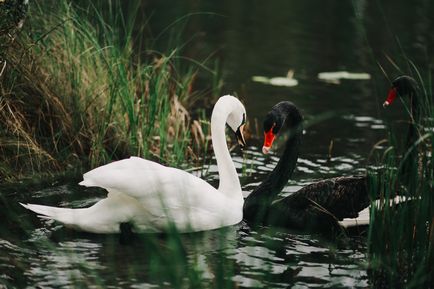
(402, 86)
(283, 112)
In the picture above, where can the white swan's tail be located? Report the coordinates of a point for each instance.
(82, 219)
(104, 217)
(69, 217)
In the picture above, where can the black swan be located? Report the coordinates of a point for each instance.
(402, 86)
(323, 204)
(314, 206)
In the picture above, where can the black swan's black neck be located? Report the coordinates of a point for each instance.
(412, 134)
(257, 203)
(409, 165)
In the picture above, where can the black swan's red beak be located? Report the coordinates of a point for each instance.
(390, 97)
(268, 141)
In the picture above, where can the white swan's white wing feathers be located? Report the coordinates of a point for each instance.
(149, 195)
(103, 217)
(166, 194)
(143, 179)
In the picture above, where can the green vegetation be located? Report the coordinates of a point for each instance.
(80, 89)
(401, 239)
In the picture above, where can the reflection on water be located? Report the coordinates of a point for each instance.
(260, 38)
(53, 257)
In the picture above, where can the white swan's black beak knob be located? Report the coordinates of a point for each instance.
(240, 136)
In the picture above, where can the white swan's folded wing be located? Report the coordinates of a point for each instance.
(145, 180)
(165, 194)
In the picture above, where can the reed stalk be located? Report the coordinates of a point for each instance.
(79, 92)
(400, 241)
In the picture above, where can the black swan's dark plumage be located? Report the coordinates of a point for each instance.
(321, 204)
(257, 203)
(407, 86)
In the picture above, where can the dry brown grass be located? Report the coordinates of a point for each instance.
(73, 96)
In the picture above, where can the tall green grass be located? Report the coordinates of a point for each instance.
(401, 236)
(83, 87)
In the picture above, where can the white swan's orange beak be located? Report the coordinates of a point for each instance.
(390, 97)
(269, 137)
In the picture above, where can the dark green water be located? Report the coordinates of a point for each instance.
(251, 38)
(36, 252)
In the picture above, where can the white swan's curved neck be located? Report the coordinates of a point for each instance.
(229, 182)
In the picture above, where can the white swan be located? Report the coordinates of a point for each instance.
(153, 197)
